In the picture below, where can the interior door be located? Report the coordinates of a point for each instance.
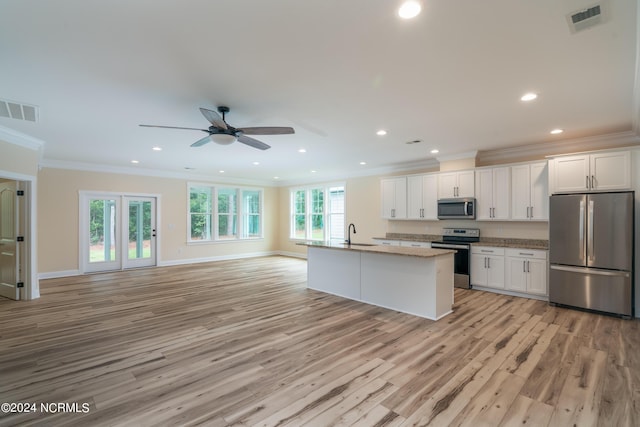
(139, 232)
(9, 254)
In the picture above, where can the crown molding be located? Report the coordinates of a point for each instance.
(460, 156)
(122, 170)
(543, 150)
(21, 139)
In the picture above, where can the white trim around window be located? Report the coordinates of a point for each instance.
(224, 213)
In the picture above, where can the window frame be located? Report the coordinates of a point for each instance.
(214, 191)
(327, 214)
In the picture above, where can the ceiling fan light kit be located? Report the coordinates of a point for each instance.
(223, 134)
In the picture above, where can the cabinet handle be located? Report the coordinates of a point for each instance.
(485, 262)
(488, 262)
(422, 213)
(528, 267)
(531, 212)
(524, 266)
(587, 182)
(593, 182)
(393, 213)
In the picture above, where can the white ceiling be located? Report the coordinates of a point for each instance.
(335, 70)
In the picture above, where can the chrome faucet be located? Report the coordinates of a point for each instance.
(349, 232)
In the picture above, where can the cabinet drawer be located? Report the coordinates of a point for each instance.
(487, 250)
(526, 253)
(386, 242)
(415, 244)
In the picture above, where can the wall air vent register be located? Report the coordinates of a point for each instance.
(18, 111)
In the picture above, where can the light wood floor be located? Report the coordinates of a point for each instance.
(245, 343)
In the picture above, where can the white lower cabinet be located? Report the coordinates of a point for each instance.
(487, 266)
(526, 271)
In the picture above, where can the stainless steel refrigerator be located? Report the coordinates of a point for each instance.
(591, 251)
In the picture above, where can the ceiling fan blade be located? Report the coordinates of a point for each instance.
(214, 118)
(172, 127)
(202, 141)
(266, 130)
(253, 142)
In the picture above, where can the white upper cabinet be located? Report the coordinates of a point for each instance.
(603, 171)
(492, 193)
(530, 192)
(422, 197)
(394, 198)
(456, 184)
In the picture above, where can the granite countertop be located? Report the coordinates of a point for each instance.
(390, 250)
(484, 241)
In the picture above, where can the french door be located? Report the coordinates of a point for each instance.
(118, 232)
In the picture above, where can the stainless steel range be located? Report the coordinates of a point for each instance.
(459, 239)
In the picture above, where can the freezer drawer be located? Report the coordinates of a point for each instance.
(590, 288)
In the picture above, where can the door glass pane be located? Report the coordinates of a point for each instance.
(139, 245)
(102, 230)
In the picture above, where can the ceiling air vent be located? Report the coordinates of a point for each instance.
(16, 110)
(586, 18)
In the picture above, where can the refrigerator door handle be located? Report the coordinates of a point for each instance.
(581, 229)
(593, 271)
(590, 252)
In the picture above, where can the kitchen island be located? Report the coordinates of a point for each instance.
(417, 281)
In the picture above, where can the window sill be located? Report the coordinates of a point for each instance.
(216, 242)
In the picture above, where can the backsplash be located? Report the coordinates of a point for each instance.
(495, 229)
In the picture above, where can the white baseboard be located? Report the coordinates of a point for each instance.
(58, 274)
(69, 273)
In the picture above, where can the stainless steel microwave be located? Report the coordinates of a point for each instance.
(462, 208)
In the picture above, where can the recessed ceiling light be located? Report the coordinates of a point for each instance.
(381, 132)
(556, 131)
(256, 163)
(221, 171)
(157, 148)
(313, 171)
(363, 163)
(276, 177)
(409, 9)
(135, 162)
(302, 150)
(528, 96)
(435, 151)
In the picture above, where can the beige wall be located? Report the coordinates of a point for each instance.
(58, 218)
(364, 210)
(19, 160)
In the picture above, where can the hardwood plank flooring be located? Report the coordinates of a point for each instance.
(244, 342)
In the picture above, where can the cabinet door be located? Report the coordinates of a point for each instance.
(478, 270)
(537, 280)
(394, 198)
(501, 193)
(611, 171)
(446, 185)
(495, 272)
(414, 197)
(484, 193)
(466, 184)
(571, 174)
(388, 196)
(539, 192)
(430, 196)
(516, 273)
(520, 192)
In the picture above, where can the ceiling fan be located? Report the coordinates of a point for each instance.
(224, 134)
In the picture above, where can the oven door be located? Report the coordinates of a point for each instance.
(461, 265)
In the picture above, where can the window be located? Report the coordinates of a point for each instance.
(317, 213)
(224, 213)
